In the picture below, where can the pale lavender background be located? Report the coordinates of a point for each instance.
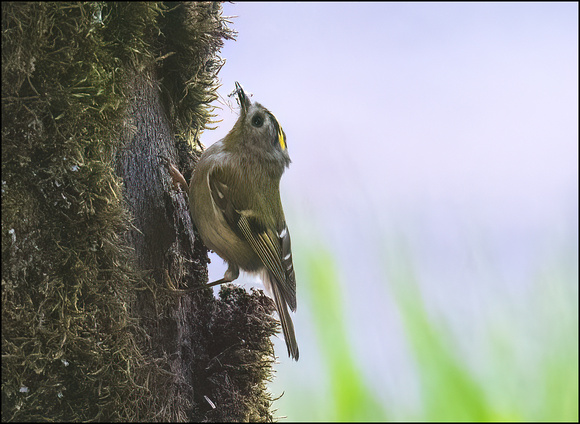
(453, 127)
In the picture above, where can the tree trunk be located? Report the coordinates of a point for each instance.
(95, 242)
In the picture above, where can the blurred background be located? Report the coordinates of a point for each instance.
(432, 203)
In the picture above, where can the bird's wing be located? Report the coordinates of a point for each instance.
(272, 245)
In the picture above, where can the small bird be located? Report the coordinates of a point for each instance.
(235, 204)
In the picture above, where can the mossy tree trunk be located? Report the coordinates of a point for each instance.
(94, 239)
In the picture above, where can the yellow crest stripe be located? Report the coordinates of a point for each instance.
(281, 138)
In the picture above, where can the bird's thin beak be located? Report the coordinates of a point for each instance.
(243, 100)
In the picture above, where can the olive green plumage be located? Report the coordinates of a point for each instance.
(235, 205)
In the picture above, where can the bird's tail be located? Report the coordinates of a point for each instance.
(271, 286)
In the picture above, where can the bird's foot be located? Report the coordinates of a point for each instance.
(176, 176)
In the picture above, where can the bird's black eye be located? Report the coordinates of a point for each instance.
(258, 121)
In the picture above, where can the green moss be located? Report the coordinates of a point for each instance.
(66, 289)
(192, 34)
(241, 355)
